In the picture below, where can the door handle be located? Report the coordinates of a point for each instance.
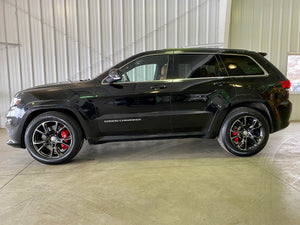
(220, 83)
(157, 87)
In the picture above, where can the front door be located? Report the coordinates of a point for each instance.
(139, 103)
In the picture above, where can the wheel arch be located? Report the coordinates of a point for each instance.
(37, 112)
(258, 106)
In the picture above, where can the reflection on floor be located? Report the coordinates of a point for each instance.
(181, 181)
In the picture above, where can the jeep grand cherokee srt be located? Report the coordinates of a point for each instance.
(235, 95)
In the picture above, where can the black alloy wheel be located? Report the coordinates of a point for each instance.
(53, 138)
(244, 132)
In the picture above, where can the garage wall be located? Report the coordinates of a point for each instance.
(50, 41)
(271, 26)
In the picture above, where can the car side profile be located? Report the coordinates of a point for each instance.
(237, 96)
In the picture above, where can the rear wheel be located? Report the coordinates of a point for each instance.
(244, 132)
(53, 138)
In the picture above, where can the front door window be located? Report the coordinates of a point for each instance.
(148, 68)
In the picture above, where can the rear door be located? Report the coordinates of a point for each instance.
(201, 89)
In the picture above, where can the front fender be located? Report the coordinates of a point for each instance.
(78, 112)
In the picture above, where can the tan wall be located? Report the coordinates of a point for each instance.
(271, 26)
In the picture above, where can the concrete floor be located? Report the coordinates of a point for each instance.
(181, 181)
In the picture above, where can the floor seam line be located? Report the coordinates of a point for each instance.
(15, 175)
(281, 180)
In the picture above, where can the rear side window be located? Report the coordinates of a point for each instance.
(196, 66)
(241, 65)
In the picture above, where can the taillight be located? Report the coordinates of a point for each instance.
(285, 84)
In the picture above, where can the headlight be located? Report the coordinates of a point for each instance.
(15, 102)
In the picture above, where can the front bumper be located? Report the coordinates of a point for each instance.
(14, 127)
(14, 143)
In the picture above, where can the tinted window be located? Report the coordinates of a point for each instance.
(240, 65)
(196, 66)
(148, 68)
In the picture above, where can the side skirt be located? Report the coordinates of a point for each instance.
(146, 137)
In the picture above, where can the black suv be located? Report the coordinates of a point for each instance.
(235, 95)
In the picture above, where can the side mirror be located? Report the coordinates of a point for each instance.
(113, 76)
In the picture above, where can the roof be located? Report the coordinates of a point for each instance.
(206, 50)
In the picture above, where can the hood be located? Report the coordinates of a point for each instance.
(56, 86)
(61, 91)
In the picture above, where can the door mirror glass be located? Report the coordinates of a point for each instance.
(113, 76)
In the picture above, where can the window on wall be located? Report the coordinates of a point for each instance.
(293, 71)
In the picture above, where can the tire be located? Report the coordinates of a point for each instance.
(53, 138)
(244, 132)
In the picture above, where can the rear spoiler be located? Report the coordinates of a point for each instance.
(263, 53)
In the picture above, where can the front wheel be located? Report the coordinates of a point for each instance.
(53, 138)
(244, 132)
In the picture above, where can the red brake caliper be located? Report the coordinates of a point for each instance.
(236, 139)
(64, 134)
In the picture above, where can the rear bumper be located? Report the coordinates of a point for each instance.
(284, 111)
